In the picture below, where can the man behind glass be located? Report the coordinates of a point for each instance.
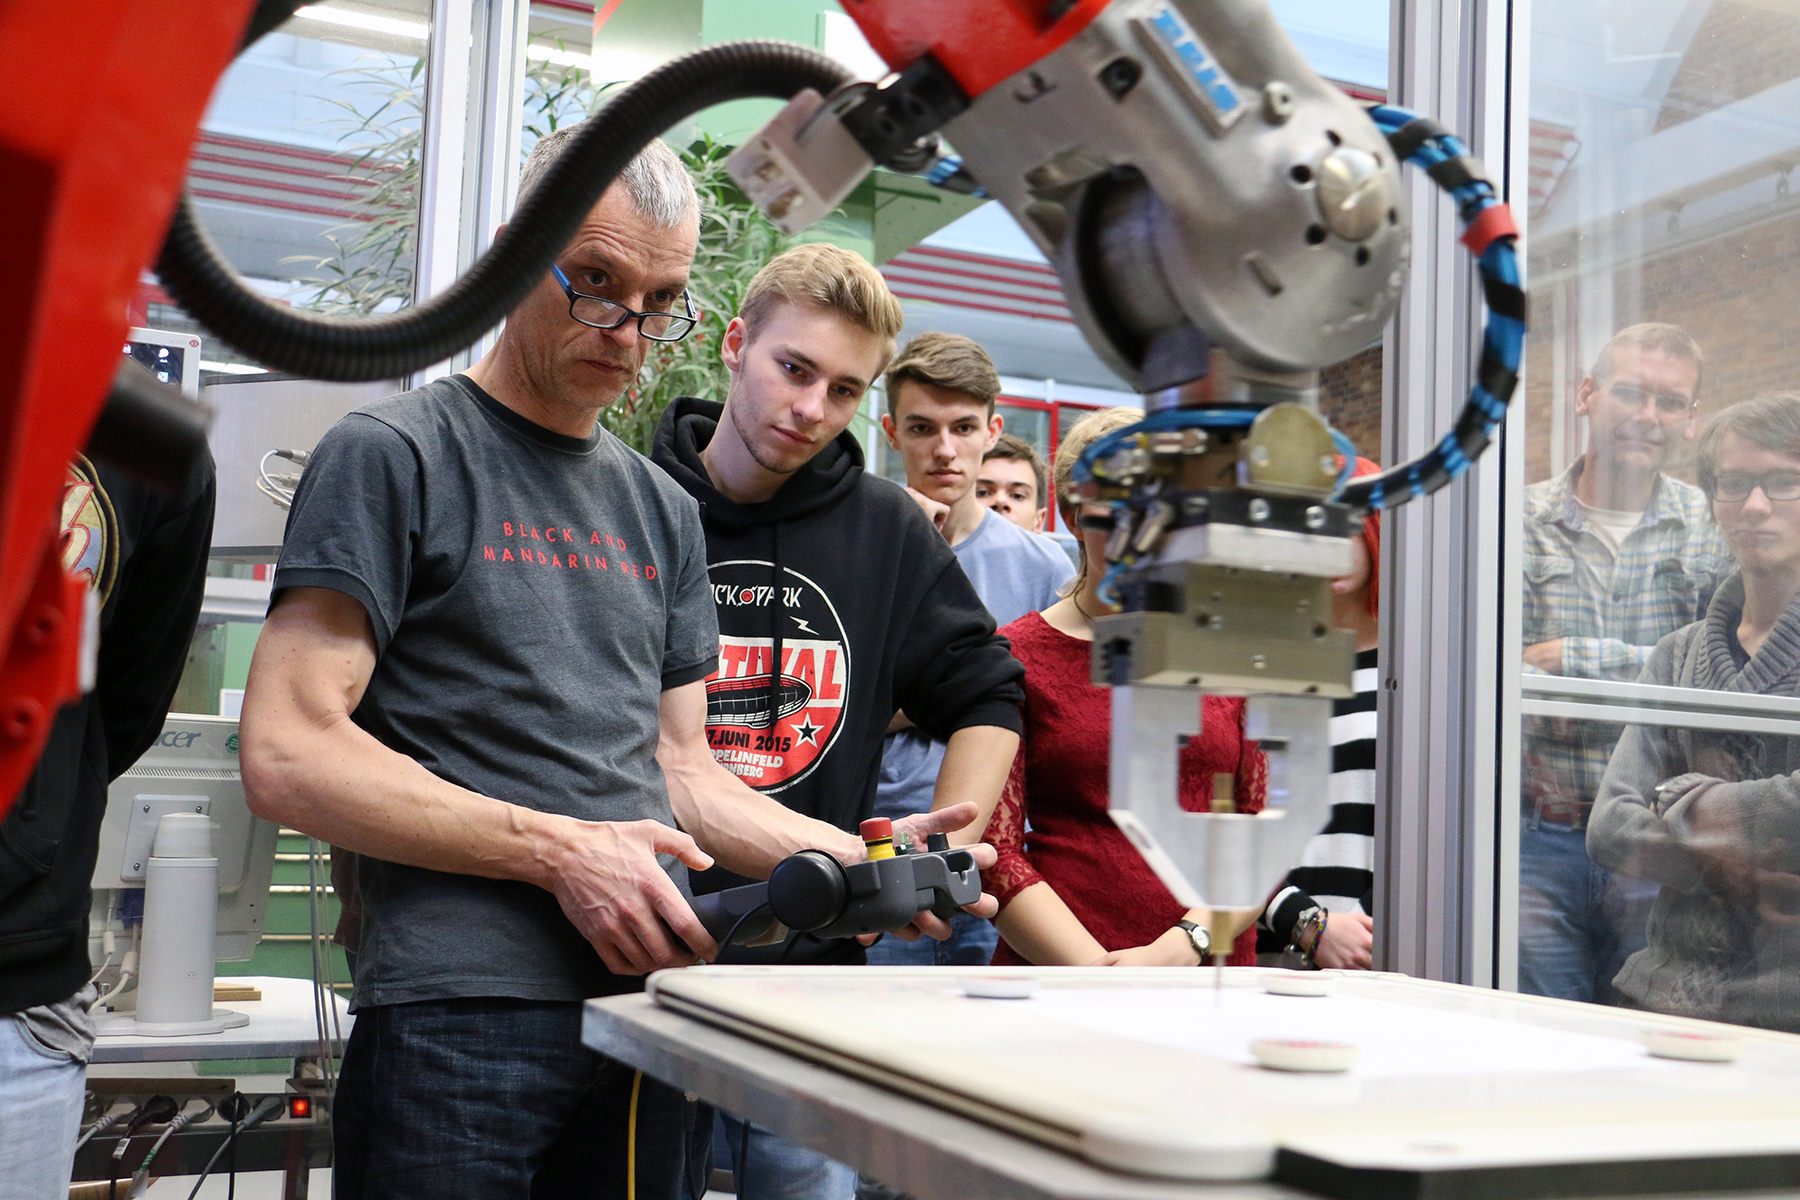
(1617, 554)
(1713, 815)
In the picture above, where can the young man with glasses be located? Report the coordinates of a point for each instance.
(483, 673)
(1712, 817)
(1617, 553)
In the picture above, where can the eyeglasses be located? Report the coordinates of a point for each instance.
(600, 313)
(1668, 404)
(1734, 487)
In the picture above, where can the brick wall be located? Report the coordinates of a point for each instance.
(1736, 294)
(1350, 398)
(1740, 48)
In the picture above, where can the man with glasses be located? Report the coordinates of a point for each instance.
(1710, 814)
(483, 673)
(1618, 553)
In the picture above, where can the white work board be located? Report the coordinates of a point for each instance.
(1458, 1092)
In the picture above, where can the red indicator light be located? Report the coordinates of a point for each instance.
(299, 1107)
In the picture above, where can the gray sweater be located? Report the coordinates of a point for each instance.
(1724, 933)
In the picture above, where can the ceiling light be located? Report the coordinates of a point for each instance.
(415, 30)
(566, 58)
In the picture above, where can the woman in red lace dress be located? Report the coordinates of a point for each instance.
(1073, 890)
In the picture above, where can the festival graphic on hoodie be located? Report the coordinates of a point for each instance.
(771, 732)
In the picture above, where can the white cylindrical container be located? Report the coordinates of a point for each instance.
(181, 889)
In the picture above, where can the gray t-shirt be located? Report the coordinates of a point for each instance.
(1014, 572)
(532, 595)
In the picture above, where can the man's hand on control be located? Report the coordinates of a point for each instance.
(1347, 943)
(939, 513)
(921, 826)
(1546, 656)
(614, 891)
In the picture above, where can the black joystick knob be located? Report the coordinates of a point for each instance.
(937, 843)
(807, 890)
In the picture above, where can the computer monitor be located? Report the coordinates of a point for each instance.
(192, 767)
(173, 358)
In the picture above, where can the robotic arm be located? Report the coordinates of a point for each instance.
(1224, 223)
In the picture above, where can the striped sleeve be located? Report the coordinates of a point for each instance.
(1336, 869)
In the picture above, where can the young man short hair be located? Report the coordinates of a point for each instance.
(1012, 483)
(940, 396)
(837, 600)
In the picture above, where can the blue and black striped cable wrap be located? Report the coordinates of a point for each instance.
(1423, 142)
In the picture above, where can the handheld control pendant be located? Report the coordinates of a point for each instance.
(811, 892)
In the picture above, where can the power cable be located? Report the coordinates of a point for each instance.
(105, 1123)
(257, 1116)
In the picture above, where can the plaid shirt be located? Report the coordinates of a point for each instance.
(1609, 614)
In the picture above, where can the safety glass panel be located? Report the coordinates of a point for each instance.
(1659, 632)
(306, 169)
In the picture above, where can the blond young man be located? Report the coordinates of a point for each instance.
(838, 601)
(1013, 482)
(483, 673)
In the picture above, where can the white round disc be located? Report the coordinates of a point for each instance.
(997, 987)
(1208, 1146)
(1691, 1046)
(1299, 983)
(1303, 1054)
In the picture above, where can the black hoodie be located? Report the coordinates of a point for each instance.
(878, 616)
(147, 554)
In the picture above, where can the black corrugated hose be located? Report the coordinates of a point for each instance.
(388, 346)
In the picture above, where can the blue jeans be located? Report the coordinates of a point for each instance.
(774, 1168)
(1578, 923)
(970, 944)
(42, 1089)
(496, 1098)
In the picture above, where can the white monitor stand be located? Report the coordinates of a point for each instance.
(191, 770)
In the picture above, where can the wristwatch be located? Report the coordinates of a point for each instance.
(1309, 927)
(1198, 936)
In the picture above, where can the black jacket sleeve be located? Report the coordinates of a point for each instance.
(953, 670)
(148, 624)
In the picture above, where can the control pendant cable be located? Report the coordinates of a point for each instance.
(392, 345)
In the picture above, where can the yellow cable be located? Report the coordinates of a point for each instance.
(637, 1081)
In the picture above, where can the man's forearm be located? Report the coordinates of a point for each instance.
(744, 830)
(976, 762)
(306, 764)
(340, 785)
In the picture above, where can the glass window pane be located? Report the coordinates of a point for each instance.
(1030, 424)
(306, 168)
(1654, 868)
(559, 82)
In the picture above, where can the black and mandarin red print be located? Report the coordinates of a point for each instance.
(771, 728)
(565, 549)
